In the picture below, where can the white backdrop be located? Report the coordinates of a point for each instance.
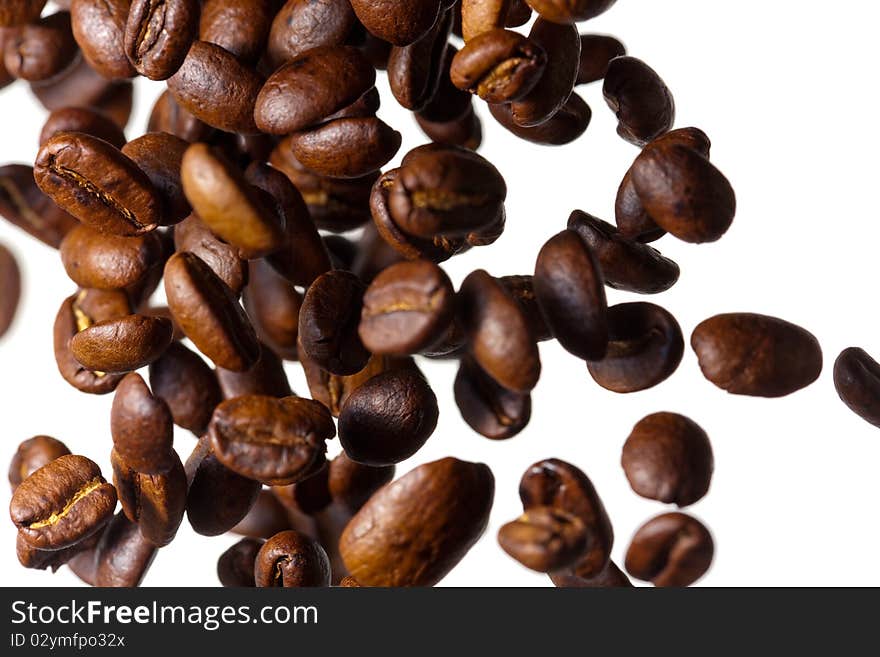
(787, 92)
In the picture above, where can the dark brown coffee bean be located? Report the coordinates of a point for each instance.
(156, 502)
(489, 409)
(562, 45)
(24, 205)
(158, 35)
(20, 12)
(187, 385)
(668, 458)
(672, 549)
(273, 304)
(571, 292)
(193, 236)
(62, 503)
(122, 345)
(626, 264)
(235, 567)
(301, 25)
(406, 308)
(241, 28)
(142, 427)
(570, 11)
(216, 88)
(499, 66)
(465, 131)
(756, 355)
(85, 120)
(208, 312)
(31, 557)
(41, 50)
(448, 104)
(290, 559)
(309, 496)
(597, 51)
(415, 530)
(564, 127)
(265, 519)
(414, 71)
(388, 418)
(611, 577)
(33, 454)
(645, 347)
(857, 381)
(122, 556)
(99, 29)
(351, 483)
(399, 23)
(522, 289)
(10, 289)
(275, 441)
(108, 262)
(544, 539)
(328, 323)
(560, 485)
(77, 313)
(499, 335)
(266, 377)
(218, 498)
(97, 184)
(641, 100)
(168, 116)
(160, 156)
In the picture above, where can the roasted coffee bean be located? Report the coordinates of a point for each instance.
(122, 556)
(672, 549)
(234, 210)
(499, 336)
(564, 127)
(122, 345)
(77, 313)
(235, 567)
(158, 35)
(301, 25)
(309, 496)
(388, 418)
(241, 28)
(82, 119)
(668, 458)
(168, 116)
(413, 531)
(449, 103)
(24, 205)
(641, 100)
(406, 308)
(266, 377)
(142, 427)
(610, 577)
(465, 131)
(108, 262)
(33, 454)
(645, 346)
(97, 184)
(544, 539)
(99, 29)
(275, 441)
(857, 380)
(560, 485)
(217, 89)
(626, 264)
(522, 289)
(193, 236)
(328, 323)
(351, 483)
(160, 156)
(756, 355)
(562, 45)
(597, 51)
(399, 23)
(156, 502)
(290, 559)
(218, 498)
(10, 289)
(20, 12)
(571, 292)
(265, 519)
(273, 304)
(312, 87)
(489, 409)
(683, 192)
(479, 16)
(187, 385)
(208, 312)
(41, 50)
(31, 557)
(570, 11)
(499, 66)
(62, 503)
(414, 71)
(444, 190)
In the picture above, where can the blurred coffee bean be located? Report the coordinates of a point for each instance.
(672, 549)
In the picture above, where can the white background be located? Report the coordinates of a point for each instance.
(787, 93)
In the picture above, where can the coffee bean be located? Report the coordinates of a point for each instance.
(99, 29)
(273, 304)
(564, 127)
(641, 100)
(597, 52)
(85, 120)
(209, 313)
(62, 503)
(31, 557)
(465, 131)
(41, 50)
(187, 385)
(373, 255)
(400, 23)
(33, 454)
(109, 262)
(668, 458)
(328, 323)
(544, 539)
(265, 519)
(756, 355)
(235, 567)
(570, 11)
(266, 377)
(672, 549)
(626, 264)
(414, 71)
(193, 236)
(160, 156)
(351, 483)
(645, 346)
(310, 495)
(122, 345)
(857, 380)
(241, 28)
(610, 577)
(141, 426)
(499, 66)
(20, 12)
(158, 35)
(489, 409)
(290, 559)
(168, 116)
(122, 556)
(561, 486)
(301, 25)
(24, 205)
(388, 418)
(571, 292)
(522, 289)
(479, 16)
(413, 531)
(448, 104)
(275, 441)
(10, 289)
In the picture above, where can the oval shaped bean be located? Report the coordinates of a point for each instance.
(142, 427)
(122, 345)
(672, 549)
(857, 381)
(158, 35)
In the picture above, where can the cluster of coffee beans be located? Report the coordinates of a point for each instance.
(264, 148)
